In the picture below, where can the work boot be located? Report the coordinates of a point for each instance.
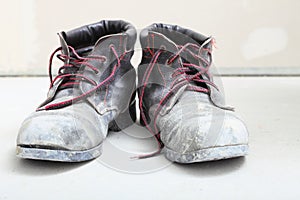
(180, 104)
(92, 94)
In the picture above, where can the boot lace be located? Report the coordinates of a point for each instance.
(71, 76)
(191, 73)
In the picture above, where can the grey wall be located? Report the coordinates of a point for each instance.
(249, 33)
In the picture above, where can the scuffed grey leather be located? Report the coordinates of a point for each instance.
(188, 122)
(85, 124)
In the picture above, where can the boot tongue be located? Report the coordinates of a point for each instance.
(117, 41)
(54, 93)
(112, 48)
(64, 45)
(157, 41)
(173, 41)
(106, 46)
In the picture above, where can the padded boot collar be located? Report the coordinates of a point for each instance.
(84, 38)
(175, 33)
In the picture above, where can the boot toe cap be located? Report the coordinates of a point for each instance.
(50, 130)
(205, 131)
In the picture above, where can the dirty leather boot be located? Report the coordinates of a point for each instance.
(180, 103)
(92, 94)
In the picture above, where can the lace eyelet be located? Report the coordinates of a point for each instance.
(96, 72)
(168, 62)
(162, 47)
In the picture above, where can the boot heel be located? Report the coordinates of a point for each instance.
(125, 119)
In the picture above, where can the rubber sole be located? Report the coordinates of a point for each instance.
(58, 155)
(208, 154)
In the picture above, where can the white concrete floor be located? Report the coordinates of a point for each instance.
(270, 107)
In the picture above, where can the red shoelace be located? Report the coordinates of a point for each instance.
(70, 72)
(185, 71)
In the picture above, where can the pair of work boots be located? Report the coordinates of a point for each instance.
(94, 93)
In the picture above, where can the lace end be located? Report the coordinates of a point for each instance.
(214, 43)
(137, 157)
(134, 158)
(230, 108)
(40, 109)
